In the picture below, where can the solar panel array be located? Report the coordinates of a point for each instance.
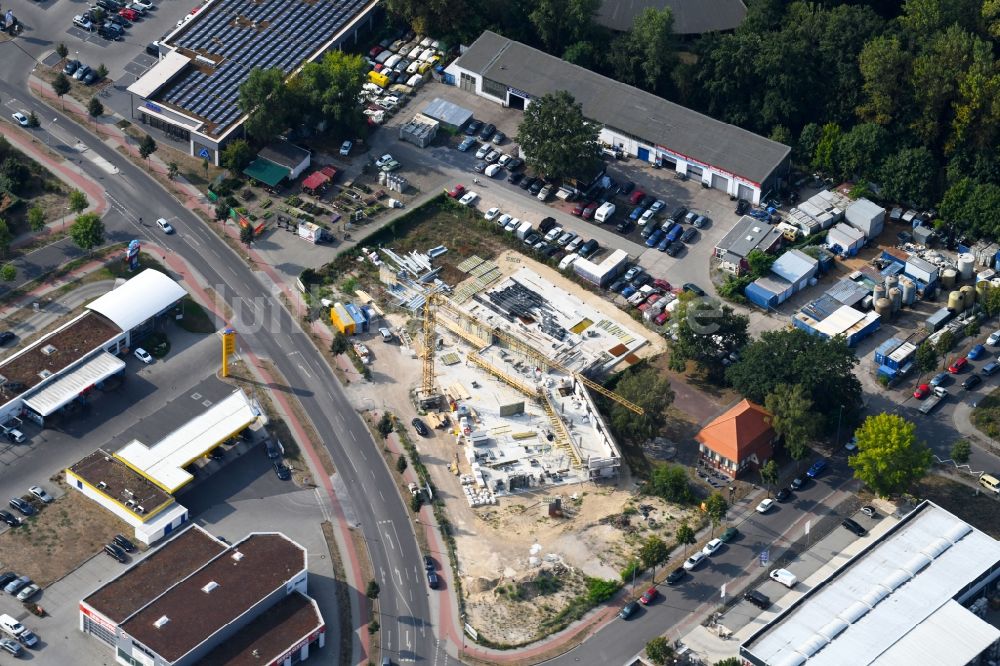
(291, 32)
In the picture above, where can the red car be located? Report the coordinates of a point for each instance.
(648, 598)
(457, 191)
(589, 211)
(922, 392)
(579, 208)
(375, 50)
(662, 318)
(128, 14)
(661, 284)
(958, 365)
(636, 197)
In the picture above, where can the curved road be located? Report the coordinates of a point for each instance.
(268, 329)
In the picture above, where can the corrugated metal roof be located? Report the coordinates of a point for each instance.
(68, 386)
(794, 266)
(447, 112)
(848, 291)
(840, 321)
(913, 622)
(626, 108)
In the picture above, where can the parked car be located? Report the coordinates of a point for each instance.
(636, 197)
(40, 493)
(994, 339)
(123, 543)
(432, 580)
(958, 365)
(627, 187)
(765, 505)
(712, 547)
(14, 586)
(628, 610)
(922, 392)
(271, 449)
(473, 127)
(649, 596)
(492, 170)
(730, 534)
(11, 646)
(689, 235)
(515, 178)
(491, 213)
(589, 211)
(143, 355)
(799, 482)
(28, 591)
(467, 143)
(22, 506)
(468, 199)
(487, 132)
(676, 576)
(971, 382)
(784, 576)
(345, 148)
(84, 23)
(758, 599)
(128, 14)
(81, 72)
(636, 213)
(28, 638)
(695, 561)
(940, 379)
(853, 526)
(976, 352)
(499, 138)
(281, 470)
(816, 470)
(691, 287)
(869, 511)
(9, 518)
(419, 426)
(783, 495)
(115, 552)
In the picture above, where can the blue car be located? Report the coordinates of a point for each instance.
(655, 238)
(940, 379)
(816, 469)
(628, 291)
(664, 244)
(675, 233)
(976, 352)
(636, 213)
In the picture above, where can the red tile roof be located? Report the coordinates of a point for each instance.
(741, 431)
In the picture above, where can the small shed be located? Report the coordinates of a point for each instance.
(288, 155)
(420, 131)
(845, 239)
(451, 115)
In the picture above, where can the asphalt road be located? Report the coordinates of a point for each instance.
(621, 640)
(407, 619)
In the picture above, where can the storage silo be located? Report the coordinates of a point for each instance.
(879, 292)
(883, 308)
(891, 282)
(956, 302)
(949, 278)
(909, 291)
(982, 291)
(968, 296)
(896, 298)
(966, 262)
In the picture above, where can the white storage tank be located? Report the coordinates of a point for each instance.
(966, 262)
(956, 302)
(891, 282)
(896, 298)
(909, 289)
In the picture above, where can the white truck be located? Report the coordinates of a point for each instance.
(935, 399)
(11, 428)
(523, 230)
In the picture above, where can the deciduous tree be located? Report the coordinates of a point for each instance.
(889, 458)
(36, 218)
(60, 85)
(769, 474)
(94, 107)
(146, 148)
(557, 140)
(654, 551)
(87, 231)
(670, 482)
(927, 357)
(263, 98)
(659, 650)
(685, 536)
(648, 389)
(707, 333)
(5, 237)
(560, 23)
(78, 202)
(792, 417)
(8, 273)
(960, 451)
(716, 507)
(236, 156)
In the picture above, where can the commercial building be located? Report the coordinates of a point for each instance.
(691, 17)
(747, 235)
(138, 483)
(198, 600)
(917, 594)
(828, 317)
(192, 92)
(739, 440)
(790, 274)
(721, 156)
(67, 364)
(280, 160)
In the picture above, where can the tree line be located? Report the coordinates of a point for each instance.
(903, 95)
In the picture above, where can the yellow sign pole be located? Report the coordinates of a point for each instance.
(228, 348)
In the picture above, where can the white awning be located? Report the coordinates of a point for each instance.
(147, 294)
(68, 387)
(159, 75)
(163, 463)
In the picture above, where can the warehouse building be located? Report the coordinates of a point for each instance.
(721, 156)
(191, 93)
(198, 600)
(790, 274)
(70, 362)
(747, 235)
(917, 594)
(828, 317)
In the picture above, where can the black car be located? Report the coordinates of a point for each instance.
(678, 214)
(552, 251)
(641, 279)
(675, 248)
(545, 226)
(71, 67)
(419, 426)
(479, 167)
(514, 164)
(527, 182)
(531, 239)
(488, 131)
(758, 599)
(432, 580)
(473, 127)
(9, 518)
(647, 201)
(272, 449)
(971, 382)
(123, 543)
(692, 288)
(689, 234)
(116, 552)
(783, 495)
(617, 285)
(515, 178)
(110, 31)
(676, 576)
(536, 186)
(429, 564)
(624, 226)
(281, 469)
(22, 506)
(628, 610)
(853, 526)
(7, 578)
(627, 187)
(588, 249)
(742, 206)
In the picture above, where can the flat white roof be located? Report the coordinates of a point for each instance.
(147, 294)
(159, 74)
(65, 388)
(893, 594)
(163, 463)
(842, 319)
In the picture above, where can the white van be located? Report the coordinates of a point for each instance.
(392, 61)
(568, 261)
(785, 577)
(604, 213)
(10, 625)
(990, 483)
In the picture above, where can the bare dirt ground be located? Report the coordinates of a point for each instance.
(59, 538)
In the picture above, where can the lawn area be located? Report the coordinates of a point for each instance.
(975, 508)
(59, 538)
(986, 415)
(196, 318)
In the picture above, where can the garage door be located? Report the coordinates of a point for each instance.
(695, 171)
(515, 101)
(746, 193)
(720, 182)
(643, 154)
